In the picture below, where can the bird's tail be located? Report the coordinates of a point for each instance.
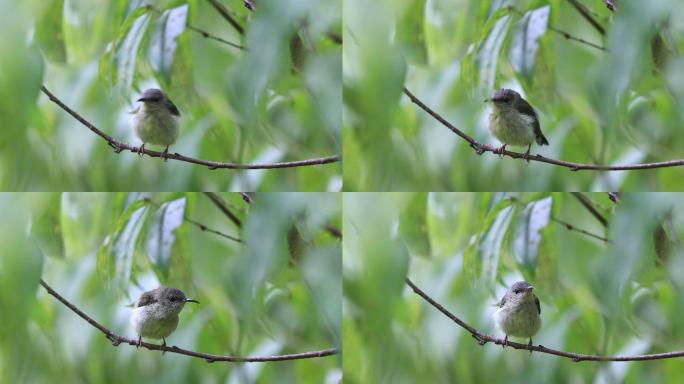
(541, 140)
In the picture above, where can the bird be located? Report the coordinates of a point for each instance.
(156, 313)
(514, 122)
(519, 313)
(156, 120)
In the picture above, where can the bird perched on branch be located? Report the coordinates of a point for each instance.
(518, 313)
(156, 121)
(514, 122)
(156, 313)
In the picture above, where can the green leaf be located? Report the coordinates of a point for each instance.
(161, 237)
(114, 259)
(47, 230)
(411, 32)
(50, 33)
(413, 226)
(491, 246)
(488, 56)
(127, 51)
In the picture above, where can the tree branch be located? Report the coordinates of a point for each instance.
(482, 148)
(587, 15)
(589, 205)
(571, 227)
(223, 11)
(223, 207)
(117, 339)
(484, 338)
(120, 146)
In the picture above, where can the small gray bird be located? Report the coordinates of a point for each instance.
(514, 122)
(156, 121)
(518, 313)
(156, 313)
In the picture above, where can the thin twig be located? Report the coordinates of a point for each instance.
(247, 197)
(482, 148)
(199, 30)
(120, 146)
(333, 231)
(223, 207)
(587, 15)
(198, 224)
(118, 339)
(336, 38)
(614, 197)
(578, 39)
(483, 338)
(571, 227)
(560, 31)
(207, 229)
(223, 11)
(589, 205)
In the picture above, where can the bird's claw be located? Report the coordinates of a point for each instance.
(165, 154)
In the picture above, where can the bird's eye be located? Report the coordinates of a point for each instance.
(517, 291)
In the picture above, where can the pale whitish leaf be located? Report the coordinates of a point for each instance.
(163, 47)
(526, 40)
(124, 246)
(127, 54)
(161, 237)
(490, 248)
(527, 238)
(488, 56)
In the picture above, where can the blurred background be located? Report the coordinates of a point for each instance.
(277, 97)
(609, 275)
(620, 103)
(276, 291)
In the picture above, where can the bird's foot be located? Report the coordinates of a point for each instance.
(139, 342)
(141, 150)
(165, 154)
(505, 343)
(163, 346)
(529, 346)
(500, 151)
(527, 154)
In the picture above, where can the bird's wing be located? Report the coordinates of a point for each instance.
(526, 109)
(536, 301)
(172, 107)
(147, 298)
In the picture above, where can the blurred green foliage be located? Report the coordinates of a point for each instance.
(623, 296)
(102, 250)
(279, 99)
(620, 106)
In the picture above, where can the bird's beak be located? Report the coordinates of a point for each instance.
(143, 99)
(530, 288)
(191, 301)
